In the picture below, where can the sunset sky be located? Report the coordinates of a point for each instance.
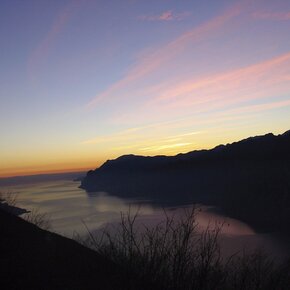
(86, 81)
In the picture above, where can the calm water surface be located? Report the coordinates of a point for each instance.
(69, 208)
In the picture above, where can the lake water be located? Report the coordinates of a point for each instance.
(70, 208)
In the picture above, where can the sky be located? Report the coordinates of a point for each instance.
(83, 81)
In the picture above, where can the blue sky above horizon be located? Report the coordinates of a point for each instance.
(83, 81)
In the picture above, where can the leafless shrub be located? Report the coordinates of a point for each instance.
(38, 218)
(8, 200)
(172, 255)
(175, 255)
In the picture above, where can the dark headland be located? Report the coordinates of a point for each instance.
(32, 258)
(248, 180)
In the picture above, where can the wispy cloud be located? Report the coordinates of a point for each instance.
(280, 16)
(150, 139)
(258, 108)
(157, 137)
(164, 54)
(133, 132)
(163, 147)
(212, 92)
(168, 15)
(185, 102)
(257, 77)
(40, 53)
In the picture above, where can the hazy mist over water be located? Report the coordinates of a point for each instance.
(70, 210)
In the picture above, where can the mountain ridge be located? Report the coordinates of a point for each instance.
(247, 179)
(129, 158)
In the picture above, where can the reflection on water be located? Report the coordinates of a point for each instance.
(69, 207)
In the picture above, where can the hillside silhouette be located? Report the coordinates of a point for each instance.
(32, 258)
(248, 180)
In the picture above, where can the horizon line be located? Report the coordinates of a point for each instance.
(85, 169)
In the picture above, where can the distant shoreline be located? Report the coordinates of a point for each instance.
(27, 179)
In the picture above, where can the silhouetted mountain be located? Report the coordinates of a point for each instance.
(249, 179)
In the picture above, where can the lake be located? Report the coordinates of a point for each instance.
(71, 209)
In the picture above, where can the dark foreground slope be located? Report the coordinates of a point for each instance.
(35, 259)
(32, 258)
(249, 179)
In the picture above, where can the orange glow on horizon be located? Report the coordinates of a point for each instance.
(167, 147)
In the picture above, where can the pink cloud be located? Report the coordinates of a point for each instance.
(168, 15)
(257, 81)
(261, 74)
(258, 108)
(261, 81)
(272, 15)
(164, 54)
